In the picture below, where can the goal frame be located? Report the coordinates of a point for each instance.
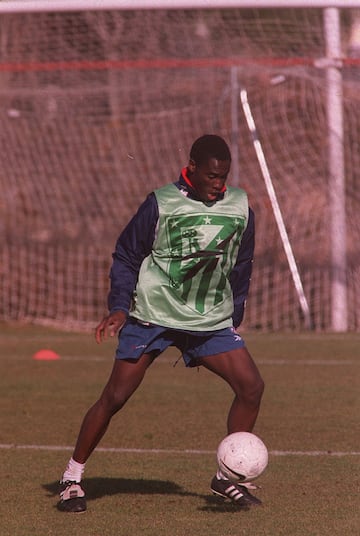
(331, 64)
(16, 6)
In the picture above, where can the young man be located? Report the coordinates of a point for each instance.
(180, 277)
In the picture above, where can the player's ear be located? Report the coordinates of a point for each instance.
(191, 165)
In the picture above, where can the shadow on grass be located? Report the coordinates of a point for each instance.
(217, 505)
(100, 487)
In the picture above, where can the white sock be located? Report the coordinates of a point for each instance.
(220, 476)
(248, 485)
(73, 471)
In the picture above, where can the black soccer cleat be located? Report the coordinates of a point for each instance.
(235, 492)
(72, 497)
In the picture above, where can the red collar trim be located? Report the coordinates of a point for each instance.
(186, 178)
(189, 183)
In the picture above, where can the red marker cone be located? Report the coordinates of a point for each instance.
(46, 355)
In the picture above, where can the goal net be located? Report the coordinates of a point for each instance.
(100, 107)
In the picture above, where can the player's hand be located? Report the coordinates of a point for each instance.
(110, 325)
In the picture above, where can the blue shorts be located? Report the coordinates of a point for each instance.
(137, 338)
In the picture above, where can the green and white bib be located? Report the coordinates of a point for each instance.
(184, 283)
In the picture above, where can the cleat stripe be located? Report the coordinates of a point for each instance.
(234, 493)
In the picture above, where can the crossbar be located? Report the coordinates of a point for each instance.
(17, 6)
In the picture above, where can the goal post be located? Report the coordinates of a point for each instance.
(336, 167)
(275, 207)
(100, 101)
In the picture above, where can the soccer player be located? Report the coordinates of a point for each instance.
(180, 277)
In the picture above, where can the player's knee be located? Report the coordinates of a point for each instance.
(258, 391)
(253, 393)
(113, 400)
(260, 388)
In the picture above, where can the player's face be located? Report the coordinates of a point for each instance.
(209, 178)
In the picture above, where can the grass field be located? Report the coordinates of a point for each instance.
(152, 471)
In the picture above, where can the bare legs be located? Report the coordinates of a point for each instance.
(238, 369)
(125, 378)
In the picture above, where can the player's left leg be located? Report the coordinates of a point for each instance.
(238, 369)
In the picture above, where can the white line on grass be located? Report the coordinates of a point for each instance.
(173, 361)
(167, 360)
(9, 446)
(322, 362)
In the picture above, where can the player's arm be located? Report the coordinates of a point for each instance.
(132, 246)
(241, 274)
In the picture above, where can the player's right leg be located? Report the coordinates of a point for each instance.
(125, 378)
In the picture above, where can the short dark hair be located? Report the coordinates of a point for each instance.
(209, 146)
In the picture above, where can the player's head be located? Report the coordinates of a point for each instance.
(208, 167)
(209, 146)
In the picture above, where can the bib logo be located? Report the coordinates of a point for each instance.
(202, 250)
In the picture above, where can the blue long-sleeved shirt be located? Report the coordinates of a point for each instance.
(135, 243)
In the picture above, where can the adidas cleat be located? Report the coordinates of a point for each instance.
(72, 497)
(235, 492)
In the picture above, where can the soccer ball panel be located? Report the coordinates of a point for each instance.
(242, 456)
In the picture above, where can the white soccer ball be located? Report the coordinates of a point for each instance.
(242, 456)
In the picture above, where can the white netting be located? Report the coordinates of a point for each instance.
(98, 108)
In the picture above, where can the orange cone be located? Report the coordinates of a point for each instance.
(46, 355)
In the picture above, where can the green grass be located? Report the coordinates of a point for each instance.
(307, 407)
